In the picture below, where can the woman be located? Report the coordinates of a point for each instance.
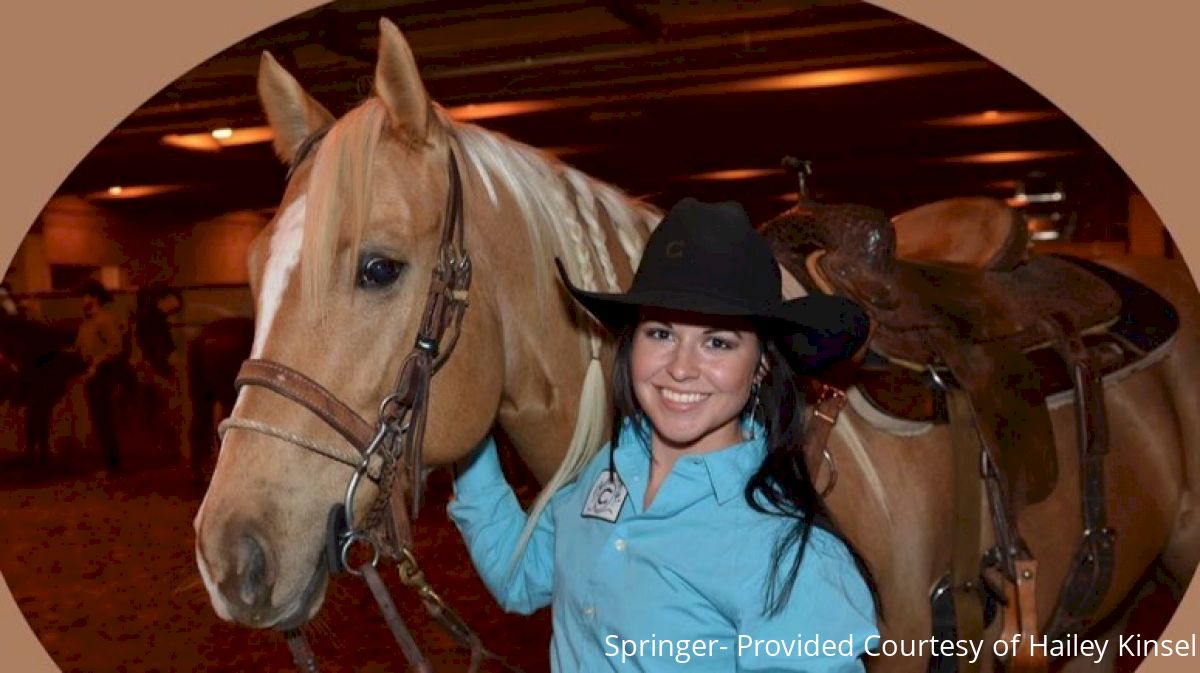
(697, 537)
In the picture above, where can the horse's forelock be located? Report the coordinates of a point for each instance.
(339, 195)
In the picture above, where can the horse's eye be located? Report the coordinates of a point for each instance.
(375, 272)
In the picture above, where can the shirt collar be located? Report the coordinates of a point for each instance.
(728, 469)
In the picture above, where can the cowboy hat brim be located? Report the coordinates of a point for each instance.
(820, 329)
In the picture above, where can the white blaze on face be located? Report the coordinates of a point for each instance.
(283, 255)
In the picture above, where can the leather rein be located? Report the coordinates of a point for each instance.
(390, 450)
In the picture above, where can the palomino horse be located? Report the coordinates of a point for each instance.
(340, 277)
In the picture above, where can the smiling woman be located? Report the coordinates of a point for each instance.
(692, 377)
(707, 456)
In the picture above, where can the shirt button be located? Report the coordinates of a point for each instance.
(620, 545)
(697, 461)
(589, 611)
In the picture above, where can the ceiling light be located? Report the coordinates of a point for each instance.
(994, 118)
(214, 140)
(474, 111)
(817, 79)
(126, 192)
(1004, 157)
(735, 174)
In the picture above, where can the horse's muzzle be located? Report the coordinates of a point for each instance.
(246, 587)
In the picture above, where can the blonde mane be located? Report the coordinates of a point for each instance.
(562, 209)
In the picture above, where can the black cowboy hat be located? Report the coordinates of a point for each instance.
(707, 258)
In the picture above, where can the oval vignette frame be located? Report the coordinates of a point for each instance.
(1085, 58)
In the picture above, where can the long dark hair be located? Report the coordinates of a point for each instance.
(782, 485)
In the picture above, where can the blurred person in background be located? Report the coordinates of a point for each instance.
(102, 344)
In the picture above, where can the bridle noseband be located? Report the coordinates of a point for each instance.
(390, 449)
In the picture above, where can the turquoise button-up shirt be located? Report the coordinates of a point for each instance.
(678, 584)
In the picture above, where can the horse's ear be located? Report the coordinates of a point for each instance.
(398, 83)
(293, 114)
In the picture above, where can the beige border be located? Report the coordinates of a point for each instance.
(71, 73)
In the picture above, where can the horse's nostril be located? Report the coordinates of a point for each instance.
(252, 572)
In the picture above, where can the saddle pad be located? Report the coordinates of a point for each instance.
(1146, 320)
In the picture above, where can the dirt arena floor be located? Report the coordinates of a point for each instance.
(103, 568)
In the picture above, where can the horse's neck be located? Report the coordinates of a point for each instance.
(544, 368)
(546, 353)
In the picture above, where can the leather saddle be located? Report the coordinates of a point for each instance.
(990, 327)
(972, 331)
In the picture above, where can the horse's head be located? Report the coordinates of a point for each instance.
(342, 279)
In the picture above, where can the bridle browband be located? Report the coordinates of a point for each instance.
(390, 449)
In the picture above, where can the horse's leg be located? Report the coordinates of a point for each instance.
(102, 392)
(201, 436)
(202, 399)
(37, 428)
(30, 432)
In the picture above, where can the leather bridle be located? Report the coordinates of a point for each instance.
(390, 450)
